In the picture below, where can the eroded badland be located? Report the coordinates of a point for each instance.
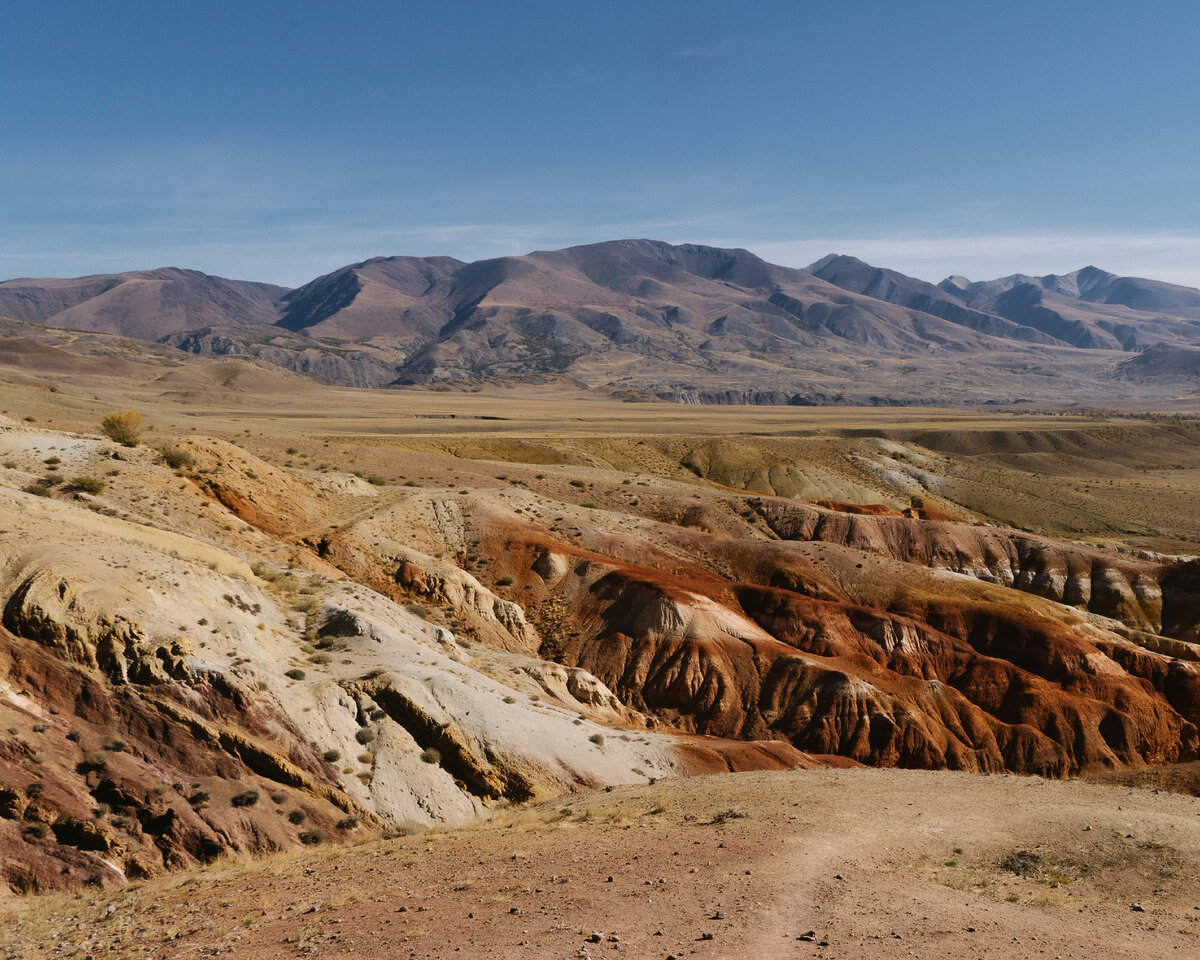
(498, 630)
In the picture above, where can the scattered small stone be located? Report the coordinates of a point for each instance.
(707, 935)
(838, 876)
(1137, 908)
(808, 937)
(719, 915)
(595, 937)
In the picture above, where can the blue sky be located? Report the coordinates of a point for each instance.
(278, 141)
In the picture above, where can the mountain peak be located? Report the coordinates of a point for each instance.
(829, 258)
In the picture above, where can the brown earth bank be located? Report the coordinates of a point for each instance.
(863, 863)
(252, 641)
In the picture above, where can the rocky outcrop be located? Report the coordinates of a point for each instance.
(1123, 589)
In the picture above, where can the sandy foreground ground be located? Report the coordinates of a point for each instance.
(826, 863)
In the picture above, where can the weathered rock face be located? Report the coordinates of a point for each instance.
(968, 688)
(164, 705)
(1071, 574)
(964, 647)
(407, 656)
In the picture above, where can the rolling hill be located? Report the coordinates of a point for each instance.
(685, 323)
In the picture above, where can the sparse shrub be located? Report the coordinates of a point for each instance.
(292, 451)
(125, 427)
(407, 483)
(10, 464)
(199, 798)
(332, 756)
(13, 731)
(37, 489)
(510, 699)
(431, 755)
(313, 837)
(375, 480)
(41, 727)
(297, 816)
(588, 505)
(247, 798)
(578, 483)
(295, 673)
(597, 739)
(101, 810)
(504, 582)
(34, 790)
(38, 758)
(366, 757)
(364, 735)
(347, 823)
(115, 746)
(121, 821)
(38, 829)
(278, 796)
(92, 485)
(177, 458)
(52, 461)
(93, 761)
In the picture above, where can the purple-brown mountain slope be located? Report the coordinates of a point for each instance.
(146, 304)
(682, 322)
(1089, 308)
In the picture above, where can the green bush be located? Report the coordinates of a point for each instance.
(295, 673)
(37, 489)
(247, 798)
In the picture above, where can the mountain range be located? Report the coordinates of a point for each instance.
(647, 319)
